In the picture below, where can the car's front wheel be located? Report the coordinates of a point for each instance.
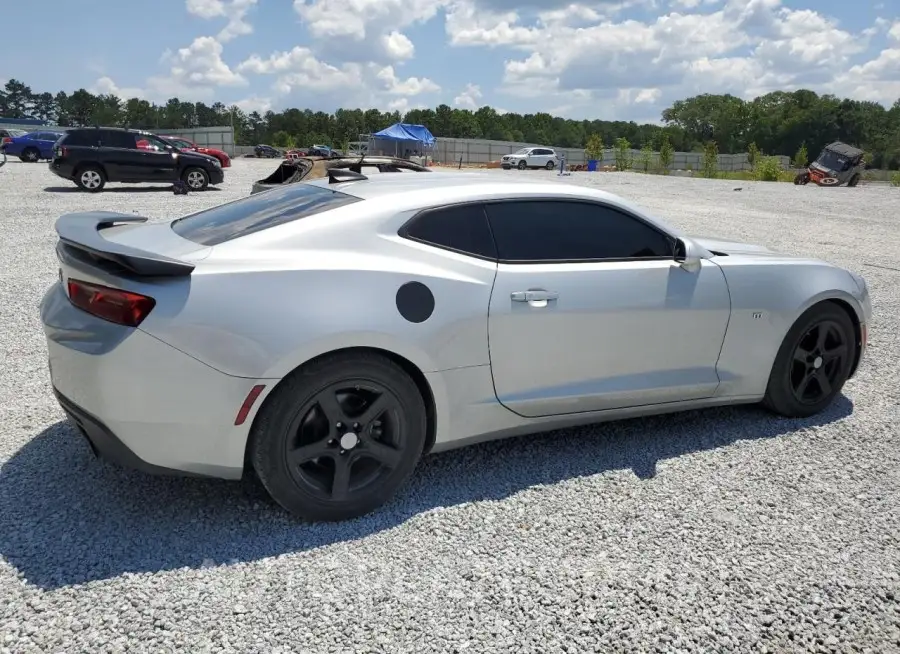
(522, 165)
(338, 437)
(813, 363)
(196, 179)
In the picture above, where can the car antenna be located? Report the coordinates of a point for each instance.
(337, 175)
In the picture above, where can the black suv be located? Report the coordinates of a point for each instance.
(92, 156)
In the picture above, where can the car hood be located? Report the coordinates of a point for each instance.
(192, 155)
(716, 245)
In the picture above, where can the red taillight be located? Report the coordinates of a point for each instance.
(5, 140)
(244, 411)
(112, 304)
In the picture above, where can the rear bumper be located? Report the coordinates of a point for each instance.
(62, 170)
(105, 444)
(141, 402)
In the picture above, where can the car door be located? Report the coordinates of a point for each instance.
(590, 311)
(542, 157)
(157, 160)
(533, 158)
(119, 156)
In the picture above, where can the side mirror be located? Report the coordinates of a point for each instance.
(687, 254)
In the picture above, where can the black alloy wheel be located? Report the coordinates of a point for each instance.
(813, 363)
(337, 438)
(345, 440)
(818, 361)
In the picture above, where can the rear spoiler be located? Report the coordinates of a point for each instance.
(81, 231)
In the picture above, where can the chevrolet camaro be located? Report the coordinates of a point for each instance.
(324, 336)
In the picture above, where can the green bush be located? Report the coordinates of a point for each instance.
(801, 159)
(666, 154)
(623, 154)
(767, 169)
(895, 179)
(711, 160)
(753, 155)
(646, 157)
(594, 147)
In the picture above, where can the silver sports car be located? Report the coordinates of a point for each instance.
(326, 335)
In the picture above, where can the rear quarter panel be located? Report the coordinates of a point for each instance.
(263, 308)
(768, 294)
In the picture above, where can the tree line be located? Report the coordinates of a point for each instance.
(776, 123)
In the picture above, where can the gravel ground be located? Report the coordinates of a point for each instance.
(720, 530)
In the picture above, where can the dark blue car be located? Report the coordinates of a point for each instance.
(31, 147)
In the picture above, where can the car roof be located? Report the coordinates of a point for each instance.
(409, 192)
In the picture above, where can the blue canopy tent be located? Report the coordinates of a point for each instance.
(402, 138)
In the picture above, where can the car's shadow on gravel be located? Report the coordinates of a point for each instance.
(66, 518)
(122, 189)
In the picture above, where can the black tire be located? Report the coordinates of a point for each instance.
(30, 155)
(196, 178)
(550, 165)
(853, 180)
(522, 165)
(90, 178)
(802, 179)
(820, 348)
(293, 423)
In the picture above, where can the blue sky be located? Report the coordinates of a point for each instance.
(612, 59)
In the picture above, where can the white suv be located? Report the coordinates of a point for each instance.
(530, 158)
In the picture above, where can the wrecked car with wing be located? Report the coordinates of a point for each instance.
(301, 169)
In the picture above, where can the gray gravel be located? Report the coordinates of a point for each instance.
(721, 530)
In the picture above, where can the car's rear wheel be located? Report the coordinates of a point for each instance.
(337, 438)
(31, 155)
(854, 180)
(550, 165)
(522, 165)
(90, 179)
(196, 179)
(813, 362)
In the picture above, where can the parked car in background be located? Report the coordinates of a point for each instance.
(31, 146)
(184, 144)
(267, 152)
(530, 158)
(93, 156)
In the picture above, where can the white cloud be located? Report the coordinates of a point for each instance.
(468, 97)
(106, 86)
(407, 87)
(398, 46)
(894, 32)
(236, 11)
(364, 30)
(586, 58)
(254, 103)
(201, 64)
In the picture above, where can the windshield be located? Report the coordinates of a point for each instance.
(522, 151)
(833, 161)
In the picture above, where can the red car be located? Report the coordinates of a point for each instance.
(184, 144)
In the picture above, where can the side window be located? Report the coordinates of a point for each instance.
(553, 230)
(462, 228)
(116, 139)
(148, 142)
(88, 138)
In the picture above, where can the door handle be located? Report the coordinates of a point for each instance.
(535, 295)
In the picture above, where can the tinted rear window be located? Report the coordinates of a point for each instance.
(258, 212)
(82, 137)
